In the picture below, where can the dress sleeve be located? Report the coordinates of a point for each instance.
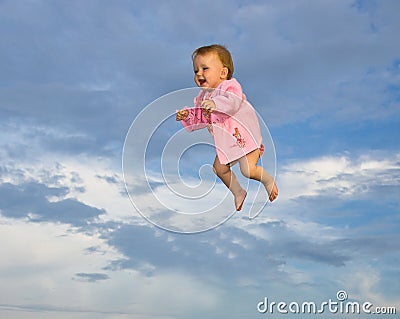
(228, 98)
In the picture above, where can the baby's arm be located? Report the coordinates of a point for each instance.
(191, 118)
(229, 98)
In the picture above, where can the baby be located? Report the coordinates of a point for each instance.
(222, 107)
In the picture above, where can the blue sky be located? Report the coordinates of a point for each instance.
(323, 75)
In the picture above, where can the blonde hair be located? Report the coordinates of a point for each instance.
(223, 54)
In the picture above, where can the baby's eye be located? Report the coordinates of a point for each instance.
(196, 71)
(205, 68)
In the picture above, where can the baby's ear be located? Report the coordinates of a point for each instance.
(224, 73)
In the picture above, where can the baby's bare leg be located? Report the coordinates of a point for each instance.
(226, 175)
(249, 168)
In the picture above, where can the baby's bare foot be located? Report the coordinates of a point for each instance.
(273, 194)
(271, 189)
(239, 199)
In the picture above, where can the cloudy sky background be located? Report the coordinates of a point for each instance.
(324, 76)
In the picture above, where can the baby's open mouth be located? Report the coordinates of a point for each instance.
(202, 81)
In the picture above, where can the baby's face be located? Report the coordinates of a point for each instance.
(209, 71)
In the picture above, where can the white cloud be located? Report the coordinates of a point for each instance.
(341, 175)
(41, 260)
(42, 267)
(364, 283)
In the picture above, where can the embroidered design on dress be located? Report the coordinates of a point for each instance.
(241, 142)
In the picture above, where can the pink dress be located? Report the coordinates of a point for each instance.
(233, 124)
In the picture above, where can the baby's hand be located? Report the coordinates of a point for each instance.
(181, 114)
(208, 106)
